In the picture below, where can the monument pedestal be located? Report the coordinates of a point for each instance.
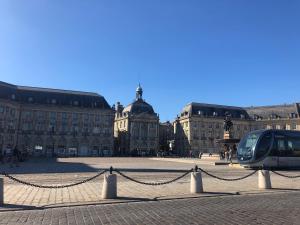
(227, 135)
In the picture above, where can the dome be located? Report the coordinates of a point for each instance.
(139, 106)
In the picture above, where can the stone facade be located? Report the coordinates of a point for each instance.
(166, 135)
(136, 128)
(199, 125)
(50, 122)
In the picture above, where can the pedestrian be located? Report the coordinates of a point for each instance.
(200, 155)
(15, 156)
(221, 155)
(230, 154)
(1, 156)
(4, 155)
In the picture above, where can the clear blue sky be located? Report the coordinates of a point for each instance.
(233, 52)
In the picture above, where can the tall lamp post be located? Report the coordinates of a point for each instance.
(53, 142)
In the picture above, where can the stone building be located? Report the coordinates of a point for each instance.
(199, 125)
(50, 122)
(275, 117)
(166, 135)
(136, 127)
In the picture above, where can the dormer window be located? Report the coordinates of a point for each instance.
(13, 96)
(200, 112)
(76, 103)
(30, 99)
(215, 114)
(53, 101)
(242, 116)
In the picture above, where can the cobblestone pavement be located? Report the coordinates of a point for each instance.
(282, 208)
(68, 171)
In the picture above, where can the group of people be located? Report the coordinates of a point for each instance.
(13, 157)
(228, 152)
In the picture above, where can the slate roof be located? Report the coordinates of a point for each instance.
(203, 109)
(37, 95)
(275, 111)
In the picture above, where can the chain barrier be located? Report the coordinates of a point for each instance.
(286, 176)
(153, 183)
(52, 186)
(228, 179)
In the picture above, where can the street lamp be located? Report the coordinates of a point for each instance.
(52, 135)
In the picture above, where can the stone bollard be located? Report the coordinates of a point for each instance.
(1, 191)
(109, 190)
(264, 180)
(196, 183)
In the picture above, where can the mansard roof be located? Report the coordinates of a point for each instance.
(37, 95)
(275, 111)
(203, 109)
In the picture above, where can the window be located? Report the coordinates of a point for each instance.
(293, 146)
(30, 99)
(12, 112)
(27, 114)
(53, 101)
(64, 116)
(1, 109)
(263, 146)
(278, 145)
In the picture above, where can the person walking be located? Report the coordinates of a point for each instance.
(230, 154)
(1, 156)
(15, 157)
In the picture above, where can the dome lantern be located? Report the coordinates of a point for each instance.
(139, 92)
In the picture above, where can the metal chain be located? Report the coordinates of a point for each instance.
(228, 179)
(283, 175)
(152, 183)
(53, 186)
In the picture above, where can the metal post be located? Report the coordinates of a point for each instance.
(264, 180)
(1, 191)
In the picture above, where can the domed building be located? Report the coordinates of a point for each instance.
(136, 128)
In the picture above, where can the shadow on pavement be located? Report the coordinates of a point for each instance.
(7, 207)
(285, 189)
(220, 193)
(43, 165)
(134, 199)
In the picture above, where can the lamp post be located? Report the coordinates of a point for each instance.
(52, 134)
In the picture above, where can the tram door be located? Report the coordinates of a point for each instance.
(284, 151)
(288, 152)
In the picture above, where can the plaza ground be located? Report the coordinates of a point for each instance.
(161, 203)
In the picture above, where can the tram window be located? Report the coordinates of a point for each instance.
(280, 145)
(293, 147)
(263, 146)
